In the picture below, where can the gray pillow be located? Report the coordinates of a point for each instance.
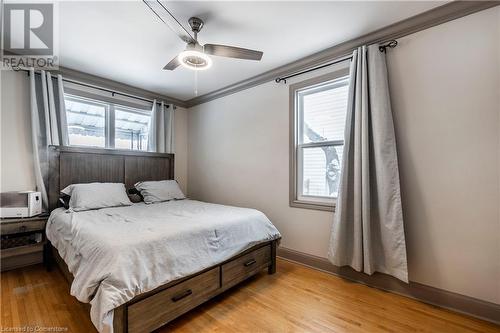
(96, 195)
(158, 191)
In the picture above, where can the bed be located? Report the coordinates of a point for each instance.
(142, 266)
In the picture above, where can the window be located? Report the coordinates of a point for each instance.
(131, 129)
(94, 123)
(86, 122)
(318, 111)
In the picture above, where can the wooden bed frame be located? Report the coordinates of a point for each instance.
(149, 311)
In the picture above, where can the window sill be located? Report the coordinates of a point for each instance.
(90, 148)
(108, 151)
(312, 205)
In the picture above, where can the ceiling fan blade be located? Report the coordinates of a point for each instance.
(232, 52)
(169, 19)
(173, 64)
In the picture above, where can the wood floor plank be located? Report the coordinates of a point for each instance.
(295, 299)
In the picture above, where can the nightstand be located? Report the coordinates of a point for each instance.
(23, 241)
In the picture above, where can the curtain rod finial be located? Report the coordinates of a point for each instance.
(392, 44)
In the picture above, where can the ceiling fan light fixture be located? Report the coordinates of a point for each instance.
(195, 60)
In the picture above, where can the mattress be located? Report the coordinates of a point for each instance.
(117, 253)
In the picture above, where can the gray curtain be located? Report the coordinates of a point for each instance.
(368, 232)
(161, 128)
(48, 123)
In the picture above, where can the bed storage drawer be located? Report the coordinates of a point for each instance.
(242, 267)
(160, 308)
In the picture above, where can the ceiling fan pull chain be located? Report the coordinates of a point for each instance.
(195, 83)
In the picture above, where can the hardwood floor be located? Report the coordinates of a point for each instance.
(295, 299)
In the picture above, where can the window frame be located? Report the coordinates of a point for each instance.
(109, 122)
(296, 149)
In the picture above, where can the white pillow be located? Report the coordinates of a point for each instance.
(96, 195)
(158, 191)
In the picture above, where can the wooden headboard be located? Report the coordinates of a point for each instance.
(73, 165)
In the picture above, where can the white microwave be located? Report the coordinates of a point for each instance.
(20, 204)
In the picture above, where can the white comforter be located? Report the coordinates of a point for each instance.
(115, 254)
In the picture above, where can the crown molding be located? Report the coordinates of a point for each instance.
(425, 20)
(117, 86)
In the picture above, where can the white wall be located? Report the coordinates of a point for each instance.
(16, 158)
(181, 148)
(445, 89)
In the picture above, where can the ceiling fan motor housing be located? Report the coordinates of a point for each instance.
(196, 24)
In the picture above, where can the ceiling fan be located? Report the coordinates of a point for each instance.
(196, 56)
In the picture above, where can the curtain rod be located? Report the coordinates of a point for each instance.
(113, 93)
(392, 44)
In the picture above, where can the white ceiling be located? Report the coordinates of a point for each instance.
(123, 41)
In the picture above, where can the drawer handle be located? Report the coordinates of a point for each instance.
(250, 262)
(181, 296)
(23, 228)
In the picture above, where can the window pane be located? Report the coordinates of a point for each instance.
(131, 129)
(86, 122)
(321, 171)
(324, 111)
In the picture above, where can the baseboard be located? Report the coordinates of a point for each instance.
(427, 294)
